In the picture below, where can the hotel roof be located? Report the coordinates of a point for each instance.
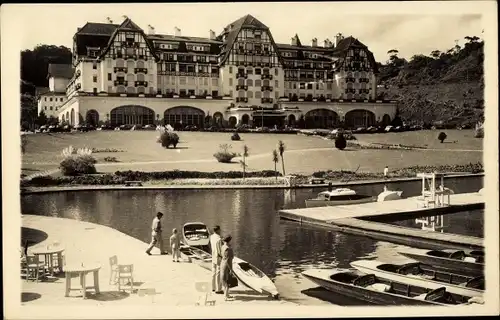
(60, 71)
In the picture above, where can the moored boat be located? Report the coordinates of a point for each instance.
(456, 261)
(339, 196)
(253, 278)
(423, 275)
(370, 288)
(196, 255)
(195, 234)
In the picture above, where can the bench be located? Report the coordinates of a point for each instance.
(317, 180)
(133, 183)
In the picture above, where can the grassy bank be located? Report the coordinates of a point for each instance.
(177, 177)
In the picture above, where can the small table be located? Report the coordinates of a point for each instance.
(48, 253)
(82, 270)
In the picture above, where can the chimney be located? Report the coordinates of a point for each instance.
(338, 38)
(151, 29)
(314, 42)
(109, 20)
(294, 41)
(212, 34)
(177, 32)
(327, 43)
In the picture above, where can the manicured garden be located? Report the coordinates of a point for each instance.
(304, 155)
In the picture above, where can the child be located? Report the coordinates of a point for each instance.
(175, 244)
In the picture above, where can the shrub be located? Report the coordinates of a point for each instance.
(479, 132)
(340, 142)
(169, 138)
(76, 163)
(73, 166)
(235, 137)
(111, 159)
(442, 136)
(223, 155)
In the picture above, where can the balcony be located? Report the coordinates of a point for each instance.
(349, 79)
(266, 76)
(131, 57)
(141, 83)
(266, 88)
(266, 100)
(241, 87)
(120, 69)
(239, 99)
(241, 75)
(120, 83)
(141, 57)
(141, 70)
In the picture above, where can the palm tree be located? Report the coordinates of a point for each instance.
(275, 160)
(281, 148)
(243, 162)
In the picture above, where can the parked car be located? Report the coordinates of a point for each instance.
(149, 127)
(372, 129)
(125, 127)
(389, 129)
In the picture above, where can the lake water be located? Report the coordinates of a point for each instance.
(281, 249)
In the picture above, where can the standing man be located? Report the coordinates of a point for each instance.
(215, 243)
(386, 172)
(156, 236)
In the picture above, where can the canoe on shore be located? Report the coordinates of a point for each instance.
(253, 278)
(196, 255)
(373, 289)
(455, 261)
(423, 275)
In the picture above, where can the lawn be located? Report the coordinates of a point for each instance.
(304, 154)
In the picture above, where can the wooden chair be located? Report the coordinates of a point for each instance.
(113, 275)
(33, 268)
(206, 299)
(125, 272)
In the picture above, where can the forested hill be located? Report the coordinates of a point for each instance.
(444, 86)
(35, 63)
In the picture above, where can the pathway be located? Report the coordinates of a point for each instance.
(92, 243)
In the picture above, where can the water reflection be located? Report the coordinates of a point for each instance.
(281, 249)
(470, 223)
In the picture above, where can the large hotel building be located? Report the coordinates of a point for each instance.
(122, 75)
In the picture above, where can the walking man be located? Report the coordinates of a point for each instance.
(386, 172)
(215, 243)
(156, 236)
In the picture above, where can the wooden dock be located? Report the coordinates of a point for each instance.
(356, 219)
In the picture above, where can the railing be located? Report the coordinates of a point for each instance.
(242, 75)
(241, 87)
(140, 70)
(266, 76)
(121, 83)
(266, 100)
(120, 69)
(239, 99)
(266, 88)
(141, 83)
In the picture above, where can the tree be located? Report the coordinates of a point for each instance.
(340, 142)
(393, 55)
(243, 162)
(442, 136)
(275, 160)
(281, 148)
(472, 39)
(35, 63)
(435, 54)
(24, 143)
(42, 118)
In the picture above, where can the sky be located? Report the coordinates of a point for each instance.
(413, 29)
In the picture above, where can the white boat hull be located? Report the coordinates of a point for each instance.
(370, 267)
(254, 278)
(313, 203)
